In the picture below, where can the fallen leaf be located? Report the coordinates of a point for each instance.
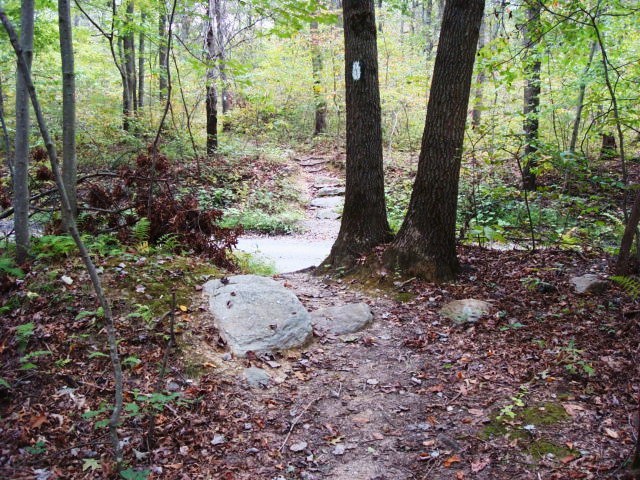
(378, 436)
(573, 409)
(612, 433)
(451, 460)
(38, 421)
(568, 459)
(476, 412)
(479, 465)
(459, 475)
(183, 308)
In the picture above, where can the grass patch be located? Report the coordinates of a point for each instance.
(254, 264)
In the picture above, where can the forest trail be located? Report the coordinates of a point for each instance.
(317, 231)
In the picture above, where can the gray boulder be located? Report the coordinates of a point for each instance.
(589, 283)
(257, 314)
(468, 310)
(342, 319)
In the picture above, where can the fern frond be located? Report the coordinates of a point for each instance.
(630, 284)
(141, 230)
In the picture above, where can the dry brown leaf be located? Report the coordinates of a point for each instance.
(573, 409)
(451, 460)
(476, 412)
(37, 421)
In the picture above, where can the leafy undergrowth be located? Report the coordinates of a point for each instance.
(545, 385)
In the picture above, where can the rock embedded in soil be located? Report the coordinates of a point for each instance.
(327, 202)
(589, 283)
(256, 377)
(342, 319)
(257, 314)
(320, 182)
(327, 214)
(468, 310)
(331, 192)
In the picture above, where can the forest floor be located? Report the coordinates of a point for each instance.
(545, 387)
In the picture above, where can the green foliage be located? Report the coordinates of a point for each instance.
(508, 411)
(23, 333)
(8, 267)
(629, 284)
(141, 230)
(259, 221)
(254, 264)
(131, 474)
(143, 312)
(572, 359)
(53, 246)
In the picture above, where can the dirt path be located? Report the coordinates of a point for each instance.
(319, 228)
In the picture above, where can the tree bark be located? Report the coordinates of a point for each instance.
(162, 54)
(426, 244)
(21, 149)
(221, 34)
(532, 67)
(141, 59)
(580, 101)
(212, 78)
(128, 50)
(478, 104)
(318, 97)
(364, 219)
(69, 163)
(5, 134)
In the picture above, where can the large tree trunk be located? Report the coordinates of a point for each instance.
(21, 153)
(318, 97)
(426, 244)
(69, 164)
(162, 53)
(364, 218)
(531, 108)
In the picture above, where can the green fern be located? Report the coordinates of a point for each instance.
(8, 267)
(141, 230)
(629, 284)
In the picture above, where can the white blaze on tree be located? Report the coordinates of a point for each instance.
(355, 71)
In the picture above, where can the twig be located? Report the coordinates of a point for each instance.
(296, 420)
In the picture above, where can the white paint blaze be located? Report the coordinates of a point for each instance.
(355, 70)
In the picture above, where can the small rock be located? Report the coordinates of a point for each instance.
(256, 377)
(339, 449)
(589, 283)
(298, 446)
(468, 310)
(372, 381)
(218, 440)
(341, 320)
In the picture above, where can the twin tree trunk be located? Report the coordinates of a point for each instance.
(425, 245)
(531, 108)
(364, 219)
(21, 154)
